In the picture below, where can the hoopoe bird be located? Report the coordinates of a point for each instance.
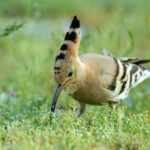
(92, 78)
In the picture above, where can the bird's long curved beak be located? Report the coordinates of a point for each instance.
(57, 93)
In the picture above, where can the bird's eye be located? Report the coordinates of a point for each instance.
(70, 73)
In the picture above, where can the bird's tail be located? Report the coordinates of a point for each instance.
(148, 69)
(136, 61)
(148, 72)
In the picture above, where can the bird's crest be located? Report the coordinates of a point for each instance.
(68, 51)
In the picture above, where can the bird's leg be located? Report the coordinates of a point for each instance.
(80, 110)
(112, 105)
(120, 115)
(120, 110)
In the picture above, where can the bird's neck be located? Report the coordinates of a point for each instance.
(80, 72)
(81, 69)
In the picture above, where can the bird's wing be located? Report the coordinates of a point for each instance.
(116, 76)
(129, 74)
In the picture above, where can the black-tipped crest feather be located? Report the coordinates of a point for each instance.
(75, 23)
(64, 47)
(72, 36)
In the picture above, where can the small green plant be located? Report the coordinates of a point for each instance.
(11, 29)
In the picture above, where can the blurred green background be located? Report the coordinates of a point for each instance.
(27, 56)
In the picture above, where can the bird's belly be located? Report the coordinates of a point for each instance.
(89, 97)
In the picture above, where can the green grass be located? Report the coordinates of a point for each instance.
(27, 85)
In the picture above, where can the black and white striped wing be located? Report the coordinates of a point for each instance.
(129, 73)
(128, 76)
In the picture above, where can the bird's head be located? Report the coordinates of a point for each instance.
(65, 69)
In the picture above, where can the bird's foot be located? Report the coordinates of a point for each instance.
(80, 110)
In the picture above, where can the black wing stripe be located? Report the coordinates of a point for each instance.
(124, 82)
(113, 84)
(132, 72)
(124, 71)
(123, 87)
